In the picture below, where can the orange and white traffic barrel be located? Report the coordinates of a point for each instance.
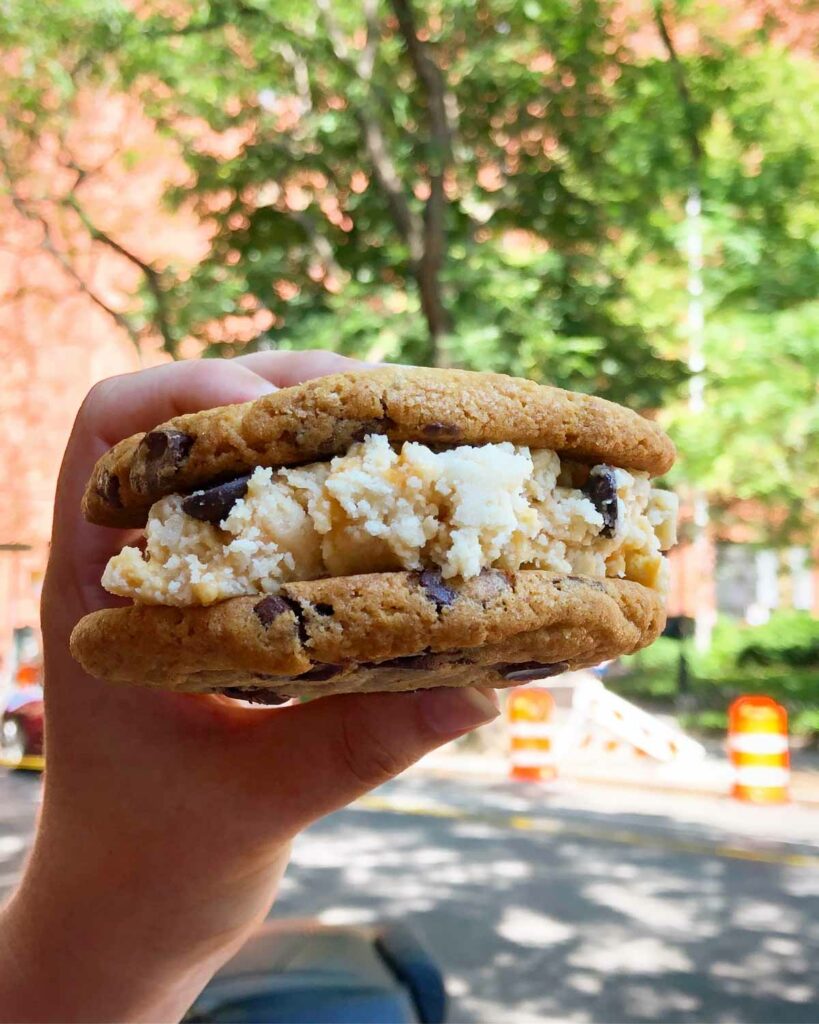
(758, 747)
(531, 754)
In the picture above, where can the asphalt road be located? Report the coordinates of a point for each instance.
(572, 905)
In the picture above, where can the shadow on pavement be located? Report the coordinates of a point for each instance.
(559, 927)
(563, 926)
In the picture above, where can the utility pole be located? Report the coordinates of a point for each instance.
(702, 550)
(703, 614)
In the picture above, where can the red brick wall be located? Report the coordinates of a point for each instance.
(55, 342)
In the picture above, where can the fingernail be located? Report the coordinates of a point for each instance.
(490, 693)
(264, 387)
(450, 710)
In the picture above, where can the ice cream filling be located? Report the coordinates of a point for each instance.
(384, 508)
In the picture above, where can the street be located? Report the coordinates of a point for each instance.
(568, 904)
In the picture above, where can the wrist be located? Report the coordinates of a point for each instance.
(86, 939)
(68, 961)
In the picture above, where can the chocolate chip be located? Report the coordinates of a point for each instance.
(256, 696)
(383, 425)
(298, 611)
(325, 609)
(165, 451)
(442, 431)
(436, 590)
(214, 504)
(601, 490)
(108, 488)
(173, 444)
(327, 447)
(270, 608)
(526, 671)
(318, 673)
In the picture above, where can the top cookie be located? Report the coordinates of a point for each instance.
(323, 417)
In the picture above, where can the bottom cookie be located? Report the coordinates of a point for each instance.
(380, 632)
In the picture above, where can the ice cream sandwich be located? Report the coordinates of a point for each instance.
(387, 529)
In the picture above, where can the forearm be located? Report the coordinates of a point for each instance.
(52, 971)
(167, 817)
(87, 941)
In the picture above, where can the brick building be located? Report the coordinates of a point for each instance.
(55, 339)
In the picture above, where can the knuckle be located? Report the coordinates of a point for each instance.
(99, 393)
(100, 397)
(201, 369)
(94, 405)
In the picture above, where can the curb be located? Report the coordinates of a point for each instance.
(804, 786)
(796, 784)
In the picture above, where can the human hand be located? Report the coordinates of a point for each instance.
(167, 818)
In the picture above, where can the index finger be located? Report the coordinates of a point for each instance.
(128, 404)
(122, 406)
(287, 368)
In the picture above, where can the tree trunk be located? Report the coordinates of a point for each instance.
(427, 267)
(428, 273)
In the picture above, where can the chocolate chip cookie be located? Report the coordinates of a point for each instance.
(388, 529)
(323, 417)
(382, 631)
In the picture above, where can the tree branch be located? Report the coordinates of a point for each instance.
(362, 68)
(321, 246)
(197, 27)
(334, 33)
(368, 54)
(153, 278)
(301, 74)
(47, 245)
(693, 138)
(70, 201)
(439, 149)
(406, 221)
(432, 82)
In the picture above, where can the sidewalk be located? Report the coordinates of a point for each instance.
(711, 777)
(484, 754)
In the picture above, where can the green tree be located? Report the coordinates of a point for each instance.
(438, 187)
(758, 436)
(487, 183)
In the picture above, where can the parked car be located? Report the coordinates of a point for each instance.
(303, 972)
(21, 730)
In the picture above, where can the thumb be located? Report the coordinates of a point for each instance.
(328, 752)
